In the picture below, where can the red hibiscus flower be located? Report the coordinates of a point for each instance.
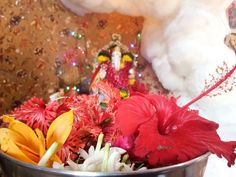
(36, 114)
(162, 127)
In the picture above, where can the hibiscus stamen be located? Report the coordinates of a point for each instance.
(206, 92)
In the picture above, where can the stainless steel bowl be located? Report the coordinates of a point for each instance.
(14, 168)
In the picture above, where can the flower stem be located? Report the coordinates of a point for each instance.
(105, 158)
(49, 153)
(99, 143)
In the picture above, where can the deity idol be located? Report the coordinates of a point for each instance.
(116, 65)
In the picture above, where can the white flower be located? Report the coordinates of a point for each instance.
(106, 159)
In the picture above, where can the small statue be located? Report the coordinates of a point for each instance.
(116, 65)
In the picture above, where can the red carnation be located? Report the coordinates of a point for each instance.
(162, 127)
(36, 114)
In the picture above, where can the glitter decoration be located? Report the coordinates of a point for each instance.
(59, 71)
(83, 52)
(76, 35)
(139, 35)
(67, 88)
(71, 55)
(73, 33)
(132, 45)
(88, 67)
(79, 36)
(78, 90)
(74, 63)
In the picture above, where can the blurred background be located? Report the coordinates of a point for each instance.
(45, 47)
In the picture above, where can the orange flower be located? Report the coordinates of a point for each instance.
(25, 144)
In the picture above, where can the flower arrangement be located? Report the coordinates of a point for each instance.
(60, 132)
(107, 129)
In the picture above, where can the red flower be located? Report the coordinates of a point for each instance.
(36, 114)
(167, 134)
(85, 126)
(76, 140)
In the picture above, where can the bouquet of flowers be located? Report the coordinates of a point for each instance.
(112, 128)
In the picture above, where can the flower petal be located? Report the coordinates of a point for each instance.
(8, 146)
(31, 140)
(36, 114)
(60, 129)
(143, 145)
(42, 146)
(133, 112)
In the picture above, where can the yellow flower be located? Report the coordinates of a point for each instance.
(25, 144)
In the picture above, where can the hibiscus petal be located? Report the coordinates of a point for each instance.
(191, 140)
(205, 132)
(164, 106)
(180, 133)
(147, 139)
(160, 158)
(133, 112)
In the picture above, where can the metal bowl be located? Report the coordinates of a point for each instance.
(14, 168)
